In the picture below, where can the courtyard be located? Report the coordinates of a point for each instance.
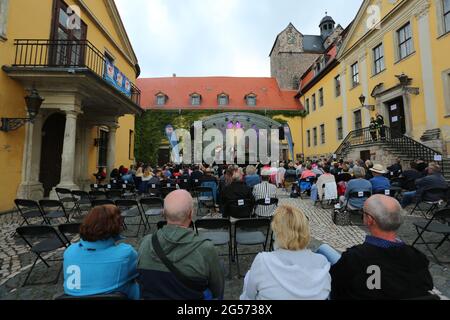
(16, 260)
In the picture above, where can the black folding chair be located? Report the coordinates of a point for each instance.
(166, 191)
(100, 297)
(247, 232)
(29, 209)
(438, 224)
(129, 191)
(264, 205)
(41, 240)
(97, 187)
(69, 231)
(53, 209)
(97, 195)
(356, 195)
(154, 190)
(102, 202)
(205, 199)
(114, 194)
(131, 210)
(392, 192)
(434, 193)
(152, 207)
(184, 184)
(82, 202)
(218, 231)
(239, 209)
(65, 196)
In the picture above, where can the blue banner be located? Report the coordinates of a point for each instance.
(173, 140)
(288, 135)
(117, 79)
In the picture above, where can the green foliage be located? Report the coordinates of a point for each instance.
(150, 135)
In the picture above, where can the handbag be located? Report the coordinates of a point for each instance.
(341, 217)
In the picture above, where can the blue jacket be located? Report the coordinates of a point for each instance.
(380, 183)
(252, 180)
(93, 268)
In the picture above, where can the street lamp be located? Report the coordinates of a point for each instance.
(362, 99)
(33, 102)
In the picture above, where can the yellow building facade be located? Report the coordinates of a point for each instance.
(394, 54)
(63, 50)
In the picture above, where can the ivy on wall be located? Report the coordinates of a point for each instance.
(150, 126)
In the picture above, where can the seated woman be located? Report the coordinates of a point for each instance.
(252, 178)
(97, 264)
(291, 272)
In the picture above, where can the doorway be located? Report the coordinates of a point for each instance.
(51, 152)
(397, 119)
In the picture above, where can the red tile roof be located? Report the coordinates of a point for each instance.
(179, 89)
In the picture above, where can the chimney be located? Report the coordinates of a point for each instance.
(174, 75)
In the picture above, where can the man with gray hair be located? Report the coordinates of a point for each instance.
(383, 267)
(182, 266)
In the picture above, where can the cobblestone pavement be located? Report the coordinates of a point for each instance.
(15, 259)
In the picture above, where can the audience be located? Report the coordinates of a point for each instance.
(265, 190)
(379, 182)
(235, 191)
(322, 181)
(251, 178)
(359, 184)
(98, 264)
(291, 272)
(193, 257)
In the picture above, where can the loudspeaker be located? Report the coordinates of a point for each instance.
(282, 135)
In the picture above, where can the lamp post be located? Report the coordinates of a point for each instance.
(33, 102)
(362, 99)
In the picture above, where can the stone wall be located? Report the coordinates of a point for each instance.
(378, 155)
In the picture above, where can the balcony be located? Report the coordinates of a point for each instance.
(74, 65)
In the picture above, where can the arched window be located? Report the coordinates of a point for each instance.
(161, 99)
(251, 99)
(223, 99)
(196, 99)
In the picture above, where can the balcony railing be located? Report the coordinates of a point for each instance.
(68, 54)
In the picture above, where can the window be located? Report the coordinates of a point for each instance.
(355, 74)
(161, 100)
(321, 97)
(196, 99)
(102, 144)
(405, 44)
(358, 120)
(340, 129)
(251, 100)
(223, 99)
(322, 134)
(447, 15)
(315, 136)
(307, 105)
(131, 145)
(378, 57)
(313, 98)
(308, 138)
(337, 86)
(3, 17)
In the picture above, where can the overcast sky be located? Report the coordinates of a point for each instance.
(219, 37)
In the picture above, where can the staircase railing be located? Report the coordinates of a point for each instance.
(405, 145)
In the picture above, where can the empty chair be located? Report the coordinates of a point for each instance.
(129, 191)
(29, 209)
(97, 187)
(53, 209)
(131, 210)
(152, 207)
(41, 240)
(114, 194)
(102, 202)
(205, 198)
(69, 231)
(239, 209)
(247, 232)
(82, 201)
(97, 195)
(431, 197)
(65, 196)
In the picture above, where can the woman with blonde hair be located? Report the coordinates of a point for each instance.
(291, 272)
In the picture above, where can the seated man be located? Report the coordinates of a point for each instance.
(265, 190)
(383, 267)
(359, 184)
(379, 182)
(194, 258)
(410, 176)
(434, 180)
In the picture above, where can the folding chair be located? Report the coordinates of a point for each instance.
(114, 195)
(166, 191)
(435, 193)
(205, 199)
(438, 224)
(152, 207)
(184, 184)
(69, 231)
(97, 187)
(130, 210)
(331, 200)
(100, 297)
(239, 209)
(265, 205)
(29, 209)
(102, 202)
(53, 209)
(388, 192)
(305, 186)
(219, 232)
(65, 196)
(247, 233)
(357, 195)
(129, 191)
(154, 190)
(82, 201)
(97, 195)
(41, 240)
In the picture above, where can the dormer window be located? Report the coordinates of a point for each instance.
(251, 99)
(196, 99)
(223, 99)
(161, 99)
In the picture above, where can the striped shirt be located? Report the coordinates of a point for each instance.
(261, 191)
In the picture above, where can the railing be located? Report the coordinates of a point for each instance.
(69, 54)
(401, 143)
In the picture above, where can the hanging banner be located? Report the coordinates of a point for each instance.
(173, 140)
(288, 135)
(117, 79)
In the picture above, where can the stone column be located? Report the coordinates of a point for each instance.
(68, 155)
(30, 187)
(111, 158)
